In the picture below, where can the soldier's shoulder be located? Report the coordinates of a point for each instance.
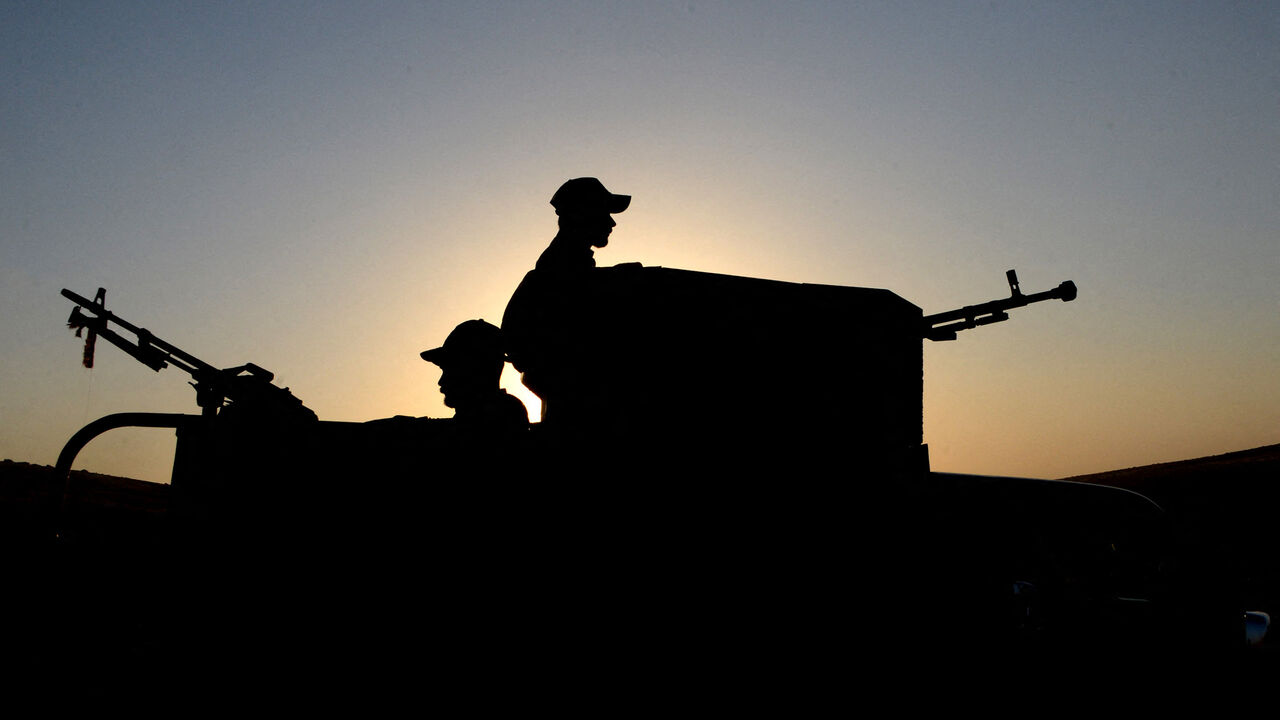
(513, 408)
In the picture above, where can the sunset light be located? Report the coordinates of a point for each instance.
(326, 190)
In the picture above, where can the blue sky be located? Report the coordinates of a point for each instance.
(325, 189)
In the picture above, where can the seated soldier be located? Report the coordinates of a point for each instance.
(471, 362)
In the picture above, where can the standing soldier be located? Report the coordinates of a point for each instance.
(548, 324)
(584, 208)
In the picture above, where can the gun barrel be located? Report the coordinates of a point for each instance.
(173, 354)
(971, 316)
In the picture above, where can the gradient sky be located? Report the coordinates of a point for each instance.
(327, 188)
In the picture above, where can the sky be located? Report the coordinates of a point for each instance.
(325, 189)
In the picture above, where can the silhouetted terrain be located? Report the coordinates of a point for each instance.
(101, 594)
(112, 511)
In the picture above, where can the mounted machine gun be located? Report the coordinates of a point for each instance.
(240, 409)
(216, 389)
(971, 316)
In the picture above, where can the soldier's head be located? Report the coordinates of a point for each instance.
(584, 207)
(470, 361)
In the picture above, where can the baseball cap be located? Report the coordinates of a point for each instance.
(473, 339)
(589, 194)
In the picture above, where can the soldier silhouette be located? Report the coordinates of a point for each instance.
(485, 416)
(547, 325)
(584, 207)
(471, 361)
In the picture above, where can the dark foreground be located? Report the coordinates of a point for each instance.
(1225, 507)
(111, 606)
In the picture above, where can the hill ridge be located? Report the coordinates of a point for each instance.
(1261, 454)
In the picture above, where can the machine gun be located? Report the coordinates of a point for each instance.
(241, 387)
(971, 316)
